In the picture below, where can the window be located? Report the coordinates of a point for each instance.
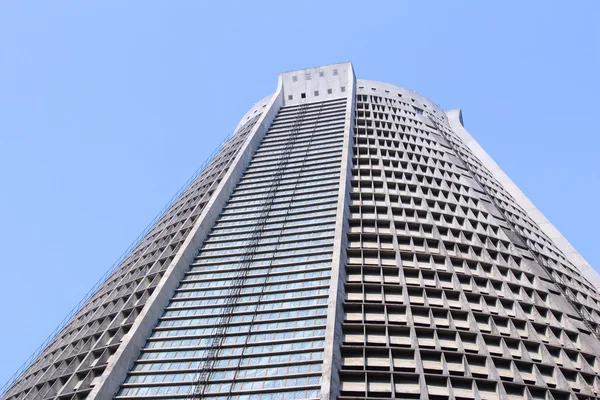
(290, 97)
(303, 95)
(335, 72)
(316, 93)
(307, 76)
(294, 78)
(321, 74)
(329, 91)
(343, 88)
(418, 110)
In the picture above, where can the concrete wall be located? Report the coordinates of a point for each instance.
(332, 361)
(315, 84)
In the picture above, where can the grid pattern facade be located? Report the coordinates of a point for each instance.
(70, 364)
(433, 283)
(270, 251)
(527, 234)
(443, 300)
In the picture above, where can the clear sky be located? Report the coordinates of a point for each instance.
(107, 107)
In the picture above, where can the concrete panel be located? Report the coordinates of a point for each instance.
(514, 238)
(472, 183)
(335, 314)
(535, 268)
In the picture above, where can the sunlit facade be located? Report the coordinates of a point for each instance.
(350, 240)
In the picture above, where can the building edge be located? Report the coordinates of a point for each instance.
(122, 361)
(332, 359)
(455, 120)
(314, 85)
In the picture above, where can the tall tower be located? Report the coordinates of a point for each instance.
(350, 240)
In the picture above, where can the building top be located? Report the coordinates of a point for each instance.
(336, 80)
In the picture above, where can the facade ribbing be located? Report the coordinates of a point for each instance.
(351, 240)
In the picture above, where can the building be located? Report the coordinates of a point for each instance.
(350, 240)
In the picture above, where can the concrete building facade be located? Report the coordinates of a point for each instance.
(350, 240)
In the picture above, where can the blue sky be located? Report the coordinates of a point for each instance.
(107, 108)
